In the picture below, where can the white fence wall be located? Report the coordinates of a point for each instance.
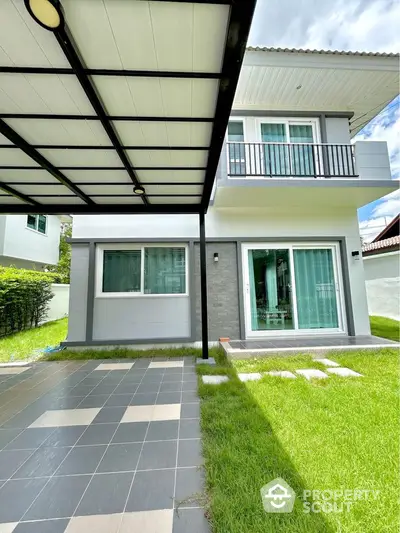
(382, 280)
(59, 303)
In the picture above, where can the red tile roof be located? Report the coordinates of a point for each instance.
(386, 245)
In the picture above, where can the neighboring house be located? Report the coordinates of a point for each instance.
(29, 241)
(382, 271)
(283, 244)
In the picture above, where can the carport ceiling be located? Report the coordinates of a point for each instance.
(121, 109)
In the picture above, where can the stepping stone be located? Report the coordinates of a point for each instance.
(254, 376)
(327, 362)
(214, 380)
(344, 372)
(282, 374)
(210, 361)
(310, 373)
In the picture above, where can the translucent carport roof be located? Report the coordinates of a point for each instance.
(123, 95)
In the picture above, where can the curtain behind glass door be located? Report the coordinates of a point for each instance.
(276, 158)
(315, 289)
(302, 156)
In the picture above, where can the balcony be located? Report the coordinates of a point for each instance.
(274, 176)
(279, 160)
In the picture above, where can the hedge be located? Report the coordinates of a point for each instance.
(24, 298)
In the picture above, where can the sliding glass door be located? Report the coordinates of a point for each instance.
(288, 150)
(292, 288)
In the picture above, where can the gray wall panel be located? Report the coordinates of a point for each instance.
(141, 318)
(78, 292)
(223, 298)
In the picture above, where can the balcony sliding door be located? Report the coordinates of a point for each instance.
(291, 289)
(288, 150)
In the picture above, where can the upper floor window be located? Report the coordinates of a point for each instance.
(237, 155)
(37, 223)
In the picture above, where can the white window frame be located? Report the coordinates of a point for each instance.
(288, 121)
(235, 161)
(35, 229)
(101, 248)
(338, 276)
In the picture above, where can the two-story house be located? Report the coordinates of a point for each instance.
(283, 245)
(29, 241)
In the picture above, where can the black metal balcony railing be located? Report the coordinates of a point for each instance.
(291, 160)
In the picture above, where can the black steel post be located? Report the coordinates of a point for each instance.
(203, 285)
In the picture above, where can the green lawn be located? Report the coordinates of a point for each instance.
(24, 344)
(339, 433)
(385, 327)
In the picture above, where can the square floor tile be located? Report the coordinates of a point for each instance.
(120, 458)
(189, 487)
(11, 370)
(63, 436)
(97, 400)
(163, 430)
(67, 417)
(95, 524)
(189, 386)
(138, 413)
(8, 528)
(168, 397)
(59, 498)
(30, 439)
(190, 410)
(158, 455)
(189, 453)
(152, 490)
(146, 388)
(106, 494)
(97, 434)
(190, 520)
(11, 460)
(166, 364)
(167, 412)
(149, 522)
(43, 462)
(109, 415)
(8, 435)
(189, 428)
(81, 460)
(171, 386)
(114, 366)
(103, 388)
(16, 496)
(119, 400)
(131, 432)
(190, 397)
(127, 388)
(144, 399)
(42, 526)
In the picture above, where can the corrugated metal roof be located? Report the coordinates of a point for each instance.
(393, 242)
(314, 51)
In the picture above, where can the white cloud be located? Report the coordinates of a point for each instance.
(390, 205)
(368, 25)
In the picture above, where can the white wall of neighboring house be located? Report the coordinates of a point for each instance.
(27, 248)
(58, 307)
(382, 280)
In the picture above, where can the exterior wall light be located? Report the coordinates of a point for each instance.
(216, 258)
(355, 254)
(47, 13)
(138, 189)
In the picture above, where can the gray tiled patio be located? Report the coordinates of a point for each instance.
(105, 446)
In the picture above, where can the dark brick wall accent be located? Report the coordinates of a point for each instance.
(223, 297)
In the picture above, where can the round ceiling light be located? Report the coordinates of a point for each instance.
(138, 189)
(47, 13)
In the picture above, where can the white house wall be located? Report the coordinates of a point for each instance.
(21, 242)
(241, 224)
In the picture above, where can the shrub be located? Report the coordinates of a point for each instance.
(24, 298)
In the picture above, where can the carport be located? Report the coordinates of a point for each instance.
(117, 107)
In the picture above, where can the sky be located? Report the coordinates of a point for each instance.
(356, 25)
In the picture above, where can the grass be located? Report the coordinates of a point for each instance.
(339, 433)
(24, 344)
(385, 327)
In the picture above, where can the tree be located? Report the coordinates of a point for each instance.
(63, 266)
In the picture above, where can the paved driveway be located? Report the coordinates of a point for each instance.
(105, 446)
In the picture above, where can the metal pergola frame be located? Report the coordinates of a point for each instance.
(241, 13)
